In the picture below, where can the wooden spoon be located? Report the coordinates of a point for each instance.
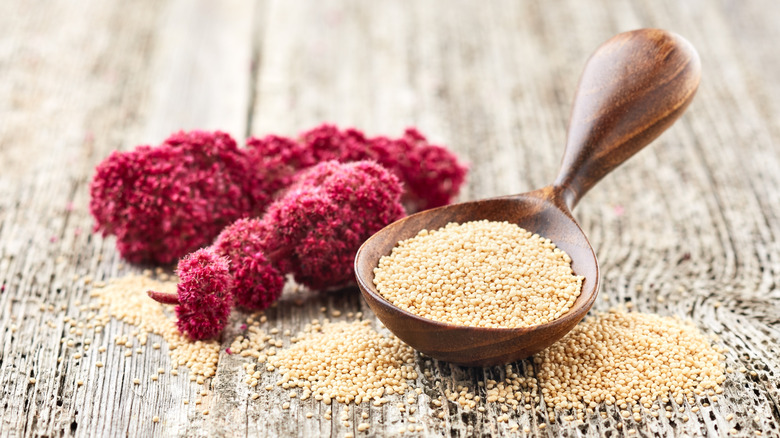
(633, 87)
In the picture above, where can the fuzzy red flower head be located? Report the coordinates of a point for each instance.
(320, 223)
(257, 283)
(204, 293)
(163, 202)
(431, 175)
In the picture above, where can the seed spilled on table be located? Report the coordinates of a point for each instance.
(347, 362)
(629, 359)
(479, 274)
(626, 359)
(125, 299)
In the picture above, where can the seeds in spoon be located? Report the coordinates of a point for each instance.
(479, 274)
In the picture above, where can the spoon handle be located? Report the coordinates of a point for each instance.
(633, 87)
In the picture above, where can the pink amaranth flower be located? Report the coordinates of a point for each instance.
(316, 228)
(313, 231)
(257, 283)
(279, 159)
(163, 202)
(431, 175)
(203, 294)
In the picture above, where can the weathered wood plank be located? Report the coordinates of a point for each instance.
(202, 67)
(689, 227)
(79, 109)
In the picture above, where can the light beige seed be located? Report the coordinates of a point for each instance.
(484, 274)
(633, 347)
(155, 419)
(335, 346)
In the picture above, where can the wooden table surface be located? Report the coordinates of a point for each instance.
(688, 227)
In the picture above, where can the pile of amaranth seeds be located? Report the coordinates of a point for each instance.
(630, 360)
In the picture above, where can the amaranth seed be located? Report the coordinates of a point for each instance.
(479, 274)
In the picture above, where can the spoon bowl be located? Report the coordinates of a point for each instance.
(475, 346)
(633, 87)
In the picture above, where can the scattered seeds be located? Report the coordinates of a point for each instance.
(364, 365)
(622, 358)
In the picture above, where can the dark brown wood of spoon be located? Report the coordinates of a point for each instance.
(632, 88)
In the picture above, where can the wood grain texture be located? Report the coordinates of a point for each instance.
(689, 227)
